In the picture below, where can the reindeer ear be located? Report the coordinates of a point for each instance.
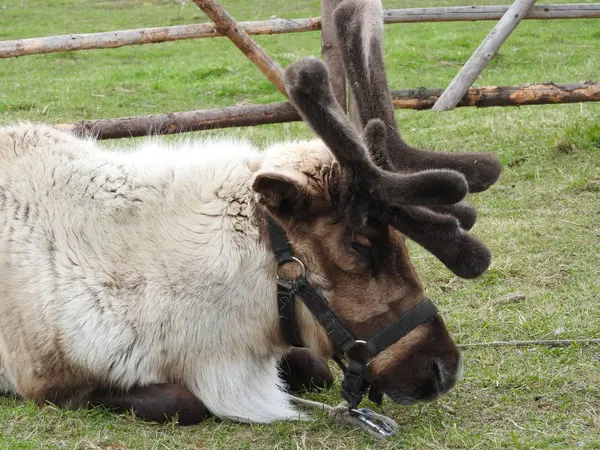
(286, 192)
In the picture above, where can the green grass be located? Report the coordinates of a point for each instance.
(542, 219)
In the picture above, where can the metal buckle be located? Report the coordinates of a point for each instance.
(288, 283)
(366, 417)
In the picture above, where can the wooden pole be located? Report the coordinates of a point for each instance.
(331, 51)
(483, 55)
(181, 122)
(254, 52)
(238, 116)
(353, 112)
(487, 96)
(476, 13)
(141, 36)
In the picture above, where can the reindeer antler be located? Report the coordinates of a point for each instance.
(359, 27)
(385, 175)
(359, 30)
(309, 88)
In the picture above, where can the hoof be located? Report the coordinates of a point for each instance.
(305, 372)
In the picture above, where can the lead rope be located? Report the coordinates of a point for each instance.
(377, 425)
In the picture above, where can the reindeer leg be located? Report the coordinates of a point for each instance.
(155, 402)
(304, 371)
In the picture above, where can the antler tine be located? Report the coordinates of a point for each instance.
(440, 234)
(309, 89)
(465, 212)
(375, 138)
(359, 26)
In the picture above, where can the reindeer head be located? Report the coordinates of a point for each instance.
(347, 208)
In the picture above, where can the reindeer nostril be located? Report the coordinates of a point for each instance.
(437, 369)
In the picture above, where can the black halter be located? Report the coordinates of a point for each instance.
(358, 353)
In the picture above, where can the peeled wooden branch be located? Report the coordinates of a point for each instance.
(463, 80)
(331, 52)
(140, 36)
(254, 52)
(239, 116)
(476, 13)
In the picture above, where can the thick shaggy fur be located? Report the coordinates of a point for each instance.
(120, 269)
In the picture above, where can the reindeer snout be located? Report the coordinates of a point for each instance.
(444, 378)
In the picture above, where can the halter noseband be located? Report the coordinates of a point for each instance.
(357, 353)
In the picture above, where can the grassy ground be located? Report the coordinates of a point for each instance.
(542, 220)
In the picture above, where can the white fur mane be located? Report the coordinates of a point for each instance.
(141, 266)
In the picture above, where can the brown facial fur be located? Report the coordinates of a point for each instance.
(368, 287)
(360, 267)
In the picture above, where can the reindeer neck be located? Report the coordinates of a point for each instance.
(310, 332)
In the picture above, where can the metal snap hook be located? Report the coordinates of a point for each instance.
(369, 420)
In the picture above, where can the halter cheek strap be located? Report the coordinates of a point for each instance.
(358, 353)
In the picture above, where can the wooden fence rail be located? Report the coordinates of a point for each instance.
(239, 33)
(423, 98)
(121, 38)
(477, 13)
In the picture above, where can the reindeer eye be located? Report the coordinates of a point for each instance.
(363, 250)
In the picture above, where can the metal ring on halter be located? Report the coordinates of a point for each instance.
(360, 351)
(289, 282)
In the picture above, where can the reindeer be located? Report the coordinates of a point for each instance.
(170, 279)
